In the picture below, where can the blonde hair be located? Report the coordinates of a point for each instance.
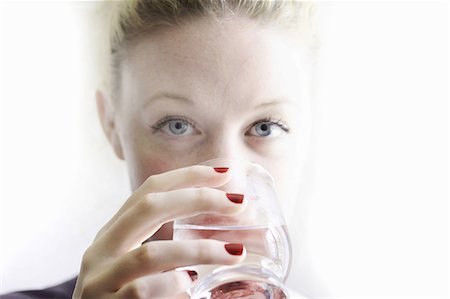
(118, 24)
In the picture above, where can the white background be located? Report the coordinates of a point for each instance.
(373, 218)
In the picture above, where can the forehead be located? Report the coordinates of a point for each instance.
(233, 59)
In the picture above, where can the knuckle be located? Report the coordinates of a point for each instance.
(178, 281)
(190, 172)
(148, 202)
(134, 290)
(204, 252)
(89, 290)
(146, 255)
(195, 172)
(88, 258)
(203, 194)
(101, 232)
(150, 182)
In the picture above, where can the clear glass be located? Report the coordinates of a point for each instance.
(260, 227)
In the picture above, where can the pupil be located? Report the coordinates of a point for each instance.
(178, 125)
(264, 127)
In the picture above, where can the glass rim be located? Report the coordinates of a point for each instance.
(241, 160)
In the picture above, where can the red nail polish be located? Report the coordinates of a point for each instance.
(236, 198)
(192, 274)
(221, 169)
(234, 249)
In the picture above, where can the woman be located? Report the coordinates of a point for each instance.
(189, 81)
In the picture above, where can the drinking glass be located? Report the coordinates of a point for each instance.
(260, 227)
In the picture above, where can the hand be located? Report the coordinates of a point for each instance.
(116, 265)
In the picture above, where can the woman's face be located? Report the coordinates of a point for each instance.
(210, 90)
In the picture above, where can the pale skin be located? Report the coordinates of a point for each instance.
(190, 94)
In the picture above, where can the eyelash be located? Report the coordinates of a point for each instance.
(272, 121)
(166, 119)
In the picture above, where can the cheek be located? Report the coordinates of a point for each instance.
(283, 171)
(145, 159)
(285, 167)
(141, 166)
(287, 179)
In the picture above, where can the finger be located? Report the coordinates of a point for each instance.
(172, 284)
(191, 176)
(187, 177)
(157, 256)
(146, 217)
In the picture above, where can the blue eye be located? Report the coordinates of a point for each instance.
(263, 129)
(178, 127)
(267, 128)
(175, 127)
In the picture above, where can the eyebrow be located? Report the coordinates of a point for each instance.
(164, 94)
(280, 101)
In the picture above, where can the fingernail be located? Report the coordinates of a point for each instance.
(221, 169)
(234, 249)
(236, 198)
(192, 274)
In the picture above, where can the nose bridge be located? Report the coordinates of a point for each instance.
(225, 145)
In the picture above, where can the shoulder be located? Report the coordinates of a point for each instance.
(63, 290)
